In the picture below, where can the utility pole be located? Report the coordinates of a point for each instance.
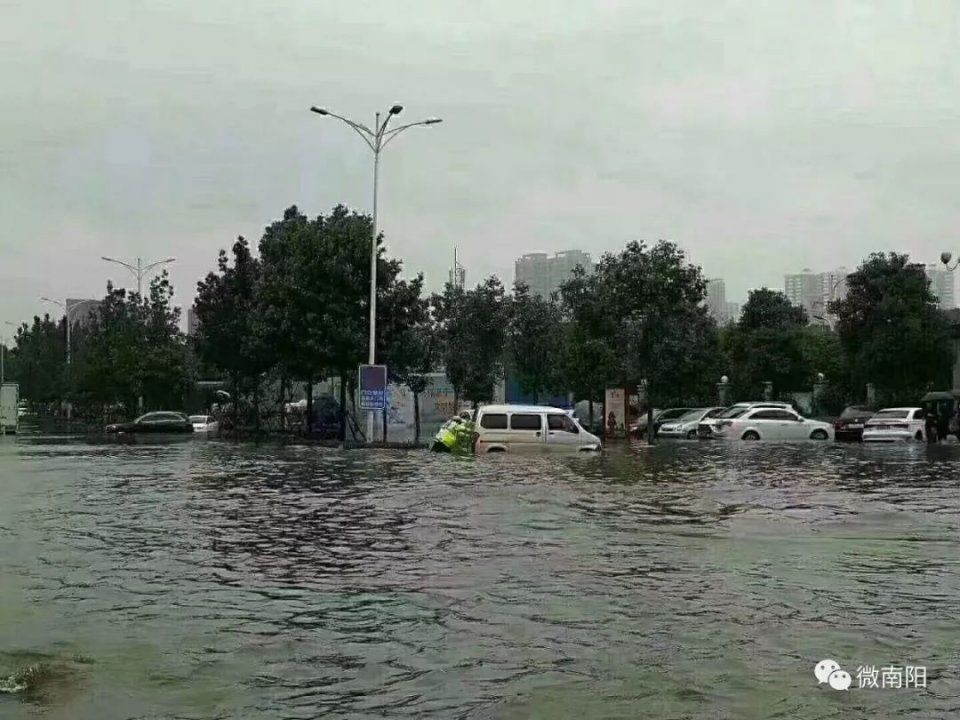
(376, 140)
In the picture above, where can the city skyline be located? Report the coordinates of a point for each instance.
(543, 274)
(800, 135)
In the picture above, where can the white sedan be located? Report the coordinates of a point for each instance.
(686, 426)
(766, 423)
(892, 424)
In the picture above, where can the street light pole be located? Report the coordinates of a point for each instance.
(376, 140)
(66, 318)
(139, 270)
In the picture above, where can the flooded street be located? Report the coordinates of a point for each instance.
(202, 579)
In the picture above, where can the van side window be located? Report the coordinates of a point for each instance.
(494, 421)
(525, 422)
(563, 423)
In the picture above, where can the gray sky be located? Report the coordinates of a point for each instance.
(762, 136)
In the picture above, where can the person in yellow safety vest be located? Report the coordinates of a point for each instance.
(455, 436)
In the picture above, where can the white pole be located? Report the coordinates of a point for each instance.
(372, 352)
(376, 140)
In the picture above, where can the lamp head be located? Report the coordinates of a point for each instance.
(945, 257)
(396, 109)
(319, 111)
(432, 121)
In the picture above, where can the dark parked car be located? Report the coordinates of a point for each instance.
(154, 422)
(668, 415)
(849, 426)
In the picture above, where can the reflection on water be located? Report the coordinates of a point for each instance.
(694, 580)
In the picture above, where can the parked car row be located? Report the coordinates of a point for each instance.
(862, 424)
(762, 421)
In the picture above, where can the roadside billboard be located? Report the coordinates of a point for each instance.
(615, 413)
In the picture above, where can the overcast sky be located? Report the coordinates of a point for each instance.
(762, 136)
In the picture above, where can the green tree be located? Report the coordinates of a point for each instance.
(893, 333)
(640, 316)
(766, 344)
(588, 359)
(133, 349)
(534, 337)
(315, 297)
(230, 329)
(472, 332)
(38, 361)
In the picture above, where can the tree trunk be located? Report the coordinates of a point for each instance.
(590, 411)
(256, 406)
(343, 410)
(456, 400)
(309, 406)
(416, 418)
(236, 406)
(384, 424)
(283, 403)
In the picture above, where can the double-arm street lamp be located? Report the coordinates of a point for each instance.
(376, 139)
(139, 270)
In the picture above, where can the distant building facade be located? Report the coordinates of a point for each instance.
(544, 274)
(719, 308)
(814, 291)
(191, 320)
(458, 273)
(82, 311)
(942, 285)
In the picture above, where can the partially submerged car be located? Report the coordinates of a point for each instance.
(892, 424)
(154, 422)
(529, 428)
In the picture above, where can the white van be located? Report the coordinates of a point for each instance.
(529, 428)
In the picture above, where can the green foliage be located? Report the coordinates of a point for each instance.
(535, 335)
(230, 330)
(640, 316)
(133, 348)
(471, 328)
(892, 331)
(38, 361)
(767, 344)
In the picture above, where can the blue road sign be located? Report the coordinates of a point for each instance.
(373, 387)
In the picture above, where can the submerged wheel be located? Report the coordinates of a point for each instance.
(496, 450)
(919, 435)
(819, 435)
(750, 435)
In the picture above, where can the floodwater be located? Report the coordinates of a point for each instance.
(202, 579)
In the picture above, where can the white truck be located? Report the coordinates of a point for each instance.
(9, 406)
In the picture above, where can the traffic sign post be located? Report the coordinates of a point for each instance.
(373, 387)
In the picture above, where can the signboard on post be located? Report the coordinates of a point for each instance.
(373, 387)
(615, 409)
